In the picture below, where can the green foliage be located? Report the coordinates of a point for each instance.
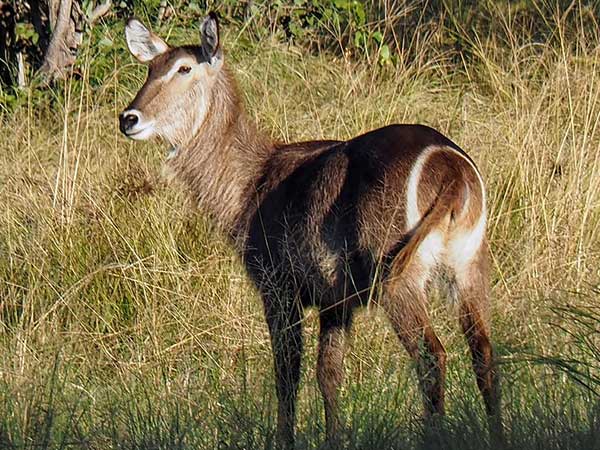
(355, 29)
(580, 360)
(12, 98)
(25, 32)
(339, 25)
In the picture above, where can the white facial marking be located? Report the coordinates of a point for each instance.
(142, 135)
(132, 112)
(185, 61)
(143, 129)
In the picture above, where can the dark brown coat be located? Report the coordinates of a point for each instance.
(328, 224)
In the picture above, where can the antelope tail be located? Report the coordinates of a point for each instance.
(443, 205)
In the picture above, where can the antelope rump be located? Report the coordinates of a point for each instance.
(326, 224)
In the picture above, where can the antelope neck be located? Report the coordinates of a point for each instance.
(224, 160)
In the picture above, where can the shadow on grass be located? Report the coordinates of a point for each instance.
(62, 412)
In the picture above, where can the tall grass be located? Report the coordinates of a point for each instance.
(127, 322)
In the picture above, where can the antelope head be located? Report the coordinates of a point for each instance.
(174, 100)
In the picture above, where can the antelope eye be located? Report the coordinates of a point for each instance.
(184, 69)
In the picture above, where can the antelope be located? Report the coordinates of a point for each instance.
(327, 224)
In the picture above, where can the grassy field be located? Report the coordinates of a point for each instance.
(126, 322)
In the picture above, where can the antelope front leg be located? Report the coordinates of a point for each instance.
(330, 368)
(285, 327)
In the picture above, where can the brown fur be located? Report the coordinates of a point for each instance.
(323, 224)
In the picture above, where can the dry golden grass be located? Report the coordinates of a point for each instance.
(121, 308)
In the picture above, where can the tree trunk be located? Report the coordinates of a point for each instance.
(7, 41)
(67, 23)
(63, 43)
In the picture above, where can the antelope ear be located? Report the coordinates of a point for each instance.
(209, 34)
(142, 43)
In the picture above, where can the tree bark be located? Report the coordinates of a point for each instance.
(67, 22)
(39, 20)
(7, 41)
(60, 54)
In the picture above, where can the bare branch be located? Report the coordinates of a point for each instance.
(162, 8)
(99, 11)
(21, 82)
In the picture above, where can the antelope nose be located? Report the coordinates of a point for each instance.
(127, 120)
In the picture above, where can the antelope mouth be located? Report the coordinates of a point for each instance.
(133, 133)
(133, 125)
(140, 134)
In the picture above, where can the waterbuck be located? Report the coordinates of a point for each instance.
(329, 224)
